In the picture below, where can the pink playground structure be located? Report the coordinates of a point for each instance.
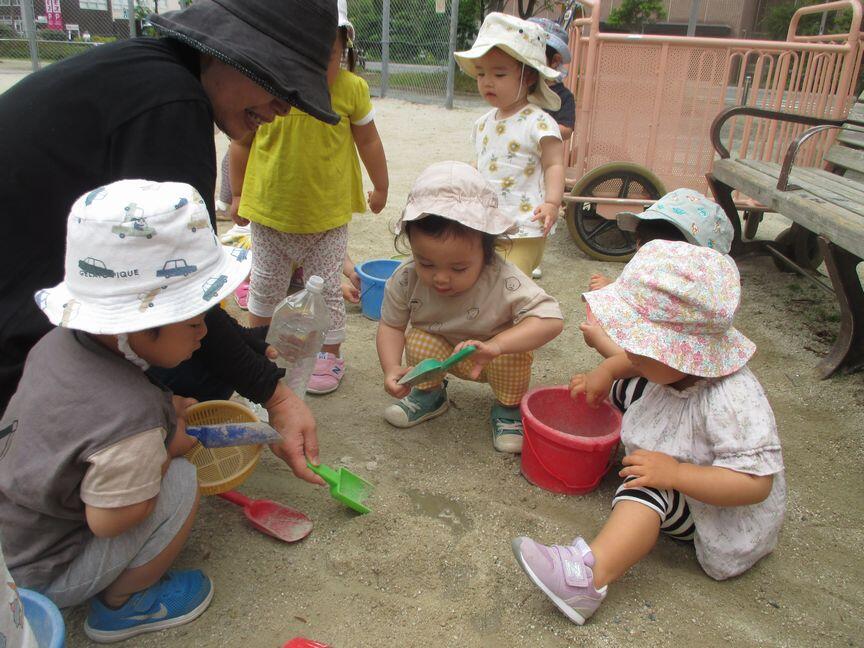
(644, 107)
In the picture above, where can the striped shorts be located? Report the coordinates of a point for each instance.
(670, 505)
(626, 391)
(675, 518)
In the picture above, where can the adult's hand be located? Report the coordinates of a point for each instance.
(290, 416)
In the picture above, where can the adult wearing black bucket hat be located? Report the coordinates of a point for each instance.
(145, 108)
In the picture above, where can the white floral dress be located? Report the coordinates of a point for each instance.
(508, 155)
(724, 422)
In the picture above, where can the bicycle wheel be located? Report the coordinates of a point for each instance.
(592, 226)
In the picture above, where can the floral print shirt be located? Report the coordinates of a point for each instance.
(508, 155)
(725, 422)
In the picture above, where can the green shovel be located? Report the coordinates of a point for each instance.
(430, 369)
(345, 486)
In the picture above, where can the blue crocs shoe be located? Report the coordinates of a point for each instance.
(180, 597)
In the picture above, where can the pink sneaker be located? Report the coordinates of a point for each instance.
(327, 374)
(564, 574)
(241, 295)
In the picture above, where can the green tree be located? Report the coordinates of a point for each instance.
(776, 20)
(635, 14)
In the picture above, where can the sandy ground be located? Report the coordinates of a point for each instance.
(431, 566)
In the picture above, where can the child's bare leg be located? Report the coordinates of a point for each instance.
(331, 348)
(140, 578)
(627, 537)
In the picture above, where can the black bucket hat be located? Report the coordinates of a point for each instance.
(282, 45)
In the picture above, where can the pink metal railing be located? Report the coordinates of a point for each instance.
(651, 99)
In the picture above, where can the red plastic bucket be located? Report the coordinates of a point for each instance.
(568, 446)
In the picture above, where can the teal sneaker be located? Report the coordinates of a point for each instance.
(418, 406)
(506, 428)
(180, 597)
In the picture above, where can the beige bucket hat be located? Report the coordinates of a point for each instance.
(524, 41)
(458, 192)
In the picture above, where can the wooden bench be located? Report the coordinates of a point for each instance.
(826, 203)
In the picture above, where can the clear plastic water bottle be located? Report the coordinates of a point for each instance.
(297, 331)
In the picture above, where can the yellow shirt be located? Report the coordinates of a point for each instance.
(303, 176)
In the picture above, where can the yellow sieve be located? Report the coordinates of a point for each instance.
(221, 469)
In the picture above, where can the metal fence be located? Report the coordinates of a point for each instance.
(405, 49)
(37, 32)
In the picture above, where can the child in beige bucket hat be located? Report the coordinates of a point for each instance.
(703, 462)
(456, 291)
(517, 145)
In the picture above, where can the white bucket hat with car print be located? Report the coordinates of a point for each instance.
(458, 192)
(524, 41)
(140, 254)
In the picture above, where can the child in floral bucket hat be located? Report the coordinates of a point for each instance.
(96, 500)
(703, 461)
(456, 291)
(517, 146)
(680, 215)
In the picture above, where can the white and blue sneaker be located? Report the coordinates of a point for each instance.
(418, 406)
(180, 597)
(506, 428)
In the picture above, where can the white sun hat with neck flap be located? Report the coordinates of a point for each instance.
(140, 254)
(524, 41)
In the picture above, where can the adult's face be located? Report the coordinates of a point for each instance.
(239, 104)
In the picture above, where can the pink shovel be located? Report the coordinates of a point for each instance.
(282, 522)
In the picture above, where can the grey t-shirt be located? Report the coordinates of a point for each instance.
(502, 297)
(75, 398)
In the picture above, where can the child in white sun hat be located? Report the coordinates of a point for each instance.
(703, 460)
(456, 291)
(96, 500)
(517, 145)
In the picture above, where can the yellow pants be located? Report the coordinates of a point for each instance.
(525, 253)
(507, 375)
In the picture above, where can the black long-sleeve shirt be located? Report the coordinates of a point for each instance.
(131, 109)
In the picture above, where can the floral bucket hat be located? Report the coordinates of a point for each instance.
(458, 192)
(675, 302)
(524, 41)
(702, 221)
(141, 254)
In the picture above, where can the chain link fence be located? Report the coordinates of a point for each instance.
(34, 33)
(404, 48)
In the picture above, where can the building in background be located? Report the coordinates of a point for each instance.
(86, 19)
(730, 18)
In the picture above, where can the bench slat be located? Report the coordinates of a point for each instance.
(822, 184)
(818, 180)
(856, 115)
(851, 137)
(846, 157)
(841, 226)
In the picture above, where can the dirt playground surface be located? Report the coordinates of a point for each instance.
(432, 565)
